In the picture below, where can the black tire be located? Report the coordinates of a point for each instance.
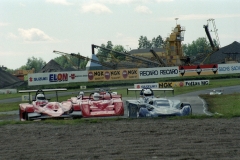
(26, 116)
(133, 111)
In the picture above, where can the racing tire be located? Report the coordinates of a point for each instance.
(132, 111)
(26, 117)
(184, 104)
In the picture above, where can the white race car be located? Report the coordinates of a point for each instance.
(216, 92)
(150, 106)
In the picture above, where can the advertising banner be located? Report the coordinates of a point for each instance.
(146, 85)
(208, 69)
(112, 75)
(229, 68)
(158, 72)
(196, 82)
(170, 84)
(8, 91)
(57, 77)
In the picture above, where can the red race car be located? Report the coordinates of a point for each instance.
(99, 103)
(41, 108)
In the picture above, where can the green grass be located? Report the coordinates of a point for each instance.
(223, 105)
(9, 106)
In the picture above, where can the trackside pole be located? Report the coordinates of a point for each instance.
(29, 99)
(57, 96)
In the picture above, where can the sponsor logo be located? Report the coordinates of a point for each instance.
(132, 72)
(98, 73)
(148, 73)
(107, 75)
(196, 83)
(40, 79)
(115, 73)
(168, 71)
(214, 69)
(223, 69)
(30, 79)
(90, 76)
(72, 76)
(58, 77)
(198, 70)
(165, 85)
(182, 71)
(124, 74)
(149, 86)
(234, 68)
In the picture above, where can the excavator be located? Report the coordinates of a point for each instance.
(215, 47)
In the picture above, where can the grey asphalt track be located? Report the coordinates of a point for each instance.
(198, 105)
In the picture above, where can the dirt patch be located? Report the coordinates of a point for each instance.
(123, 139)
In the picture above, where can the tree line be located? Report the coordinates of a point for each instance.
(200, 45)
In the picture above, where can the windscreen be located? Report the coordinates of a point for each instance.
(161, 103)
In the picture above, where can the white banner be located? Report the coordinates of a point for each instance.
(228, 68)
(196, 82)
(7, 91)
(146, 85)
(57, 77)
(159, 72)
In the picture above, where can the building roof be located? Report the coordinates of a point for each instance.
(51, 66)
(7, 79)
(222, 53)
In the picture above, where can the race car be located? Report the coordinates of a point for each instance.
(216, 92)
(99, 103)
(150, 106)
(41, 108)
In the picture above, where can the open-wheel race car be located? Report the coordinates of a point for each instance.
(41, 108)
(98, 103)
(216, 92)
(150, 106)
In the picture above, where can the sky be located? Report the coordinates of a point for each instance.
(34, 28)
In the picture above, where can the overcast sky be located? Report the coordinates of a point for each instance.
(34, 28)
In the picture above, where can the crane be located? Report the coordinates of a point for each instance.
(88, 59)
(134, 58)
(214, 47)
(66, 56)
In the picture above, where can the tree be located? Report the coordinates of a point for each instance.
(201, 45)
(36, 63)
(118, 48)
(157, 42)
(70, 62)
(144, 43)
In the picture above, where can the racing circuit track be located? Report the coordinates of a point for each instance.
(131, 139)
(198, 105)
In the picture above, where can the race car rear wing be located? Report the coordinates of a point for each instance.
(43, 90)
(154, 89)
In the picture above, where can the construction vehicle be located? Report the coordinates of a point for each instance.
(215, 47)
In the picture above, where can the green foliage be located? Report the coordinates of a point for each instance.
(201, 45)
(33, 62)
(144, 43)
(103, 54)
(157, 42)
(71, 62)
